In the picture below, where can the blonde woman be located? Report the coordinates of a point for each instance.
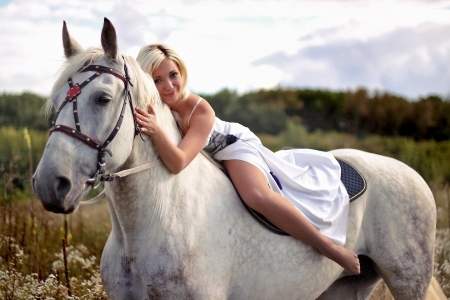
(299, 191)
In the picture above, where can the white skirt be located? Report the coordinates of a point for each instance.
(310, 179)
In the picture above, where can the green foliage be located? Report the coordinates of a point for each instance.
(322, 109)
(261, 116)
(429, 158)
(320, 119)
(24, 110)
(267, 111)
(16, 113)
(357, 112)
(14, 156)
(385, 114)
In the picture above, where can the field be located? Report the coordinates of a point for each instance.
(34, 263)
(40, 250)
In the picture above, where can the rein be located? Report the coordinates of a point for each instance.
(121, 174)
(134, 170)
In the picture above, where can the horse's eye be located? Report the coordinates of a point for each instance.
(103, 100)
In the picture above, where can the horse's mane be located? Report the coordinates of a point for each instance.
(146, 89)
(146, 92)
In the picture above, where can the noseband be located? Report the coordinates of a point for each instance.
(72, 95)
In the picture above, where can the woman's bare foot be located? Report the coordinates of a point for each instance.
(344, 257)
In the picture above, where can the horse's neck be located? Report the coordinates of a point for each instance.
(146, 202)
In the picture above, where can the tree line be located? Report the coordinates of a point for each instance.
(23, 111)
(357, 112)
(416, 133)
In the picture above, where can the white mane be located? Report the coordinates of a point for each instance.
(145, 90)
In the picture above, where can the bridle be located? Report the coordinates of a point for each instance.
(72, 95)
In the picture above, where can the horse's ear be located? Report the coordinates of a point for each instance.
(71, 47)
(109, 39)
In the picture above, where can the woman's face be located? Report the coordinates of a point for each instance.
(168, 81)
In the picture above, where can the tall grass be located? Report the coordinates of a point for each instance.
(32, 259)
(442, 259)
(49, 256)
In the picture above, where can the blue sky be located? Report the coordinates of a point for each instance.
(400, 46)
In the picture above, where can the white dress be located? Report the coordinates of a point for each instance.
(310, 179)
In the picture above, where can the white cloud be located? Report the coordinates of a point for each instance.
(410, 61)
(391, 45)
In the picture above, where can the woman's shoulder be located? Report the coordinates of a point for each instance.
(197, 99)
(200, 109)
(200, 105)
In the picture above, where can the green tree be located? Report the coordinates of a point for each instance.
(23, 110)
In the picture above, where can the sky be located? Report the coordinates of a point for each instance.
(396, 46)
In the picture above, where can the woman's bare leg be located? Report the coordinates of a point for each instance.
(252, 186)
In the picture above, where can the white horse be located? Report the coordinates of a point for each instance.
(188, 236)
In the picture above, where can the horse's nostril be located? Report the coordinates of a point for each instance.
(63, 186)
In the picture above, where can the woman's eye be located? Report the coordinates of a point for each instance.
(157, 81)
(103, 100)
(174, 74)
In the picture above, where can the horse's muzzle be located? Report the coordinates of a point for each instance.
(55, 194)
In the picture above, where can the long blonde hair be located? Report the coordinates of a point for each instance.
(151, 56)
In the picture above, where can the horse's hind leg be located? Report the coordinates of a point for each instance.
(398, 224)
(407, 281)
(400, 240)
(355, 287)
(406, 265)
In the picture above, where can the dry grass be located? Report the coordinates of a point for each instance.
(32, 260)
(442, 198)
(434, 292)
(32, 264)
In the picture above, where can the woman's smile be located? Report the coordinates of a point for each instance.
(168, 80)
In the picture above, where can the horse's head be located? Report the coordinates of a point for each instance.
(94, 126)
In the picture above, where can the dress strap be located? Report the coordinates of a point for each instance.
(193, 110)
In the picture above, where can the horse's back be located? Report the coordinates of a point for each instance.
(255, 262)
(397, 217)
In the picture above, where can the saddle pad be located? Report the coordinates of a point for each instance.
(352, 179)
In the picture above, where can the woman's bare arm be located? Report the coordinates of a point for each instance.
(176, 158)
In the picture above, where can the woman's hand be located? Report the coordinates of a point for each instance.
(146, 120)
(177, 156)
